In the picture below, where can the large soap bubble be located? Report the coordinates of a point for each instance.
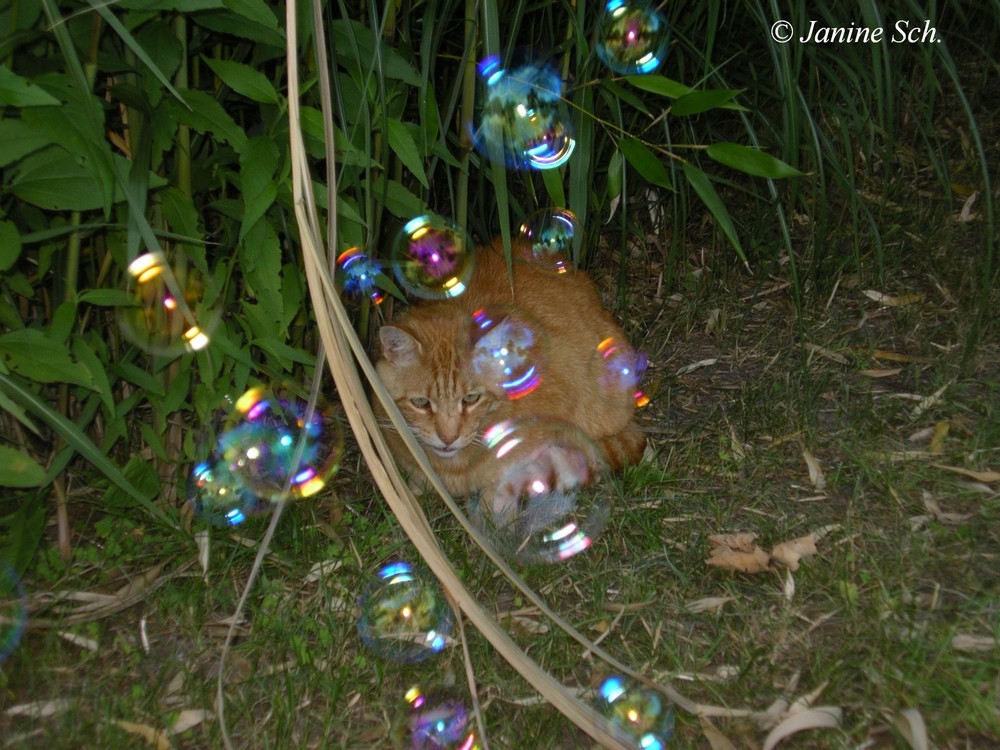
(525, 121)
(508, 350)
(640, 712)
(432, 257)
(545, 507)
(632, 37)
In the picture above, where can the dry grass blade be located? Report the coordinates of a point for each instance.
(716, 739)
(911, 725)
(822, 717)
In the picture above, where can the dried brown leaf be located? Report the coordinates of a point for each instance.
(937, 438)
(756, 561)
(890, 301)
(941, 516)
(822, 717)
(716, 739)
(742, 541)
(154, 737)
(188, 718)
(881, 373)
(696, 365)
(789, 553)
(840, 359)
(979, 476)
(816, 475)
(708, 604)
(974, 643)
(911, 725)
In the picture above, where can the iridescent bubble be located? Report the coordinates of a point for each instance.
(544, 508)
(432, 258)
(437, 719)
(618, 369)
(217, 496)
(13, 610)
(632, 37)
(507, 351)
(550, 234)
(404, 614)
(640, 712)
(357, 277)
(260, 446)
(525, 121)
(166, 315)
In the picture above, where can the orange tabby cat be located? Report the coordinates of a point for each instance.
(439, 365)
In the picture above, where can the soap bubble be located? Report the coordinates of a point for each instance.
(632, 37)
(544, 507)
(166, 315)
(550, 234)
(437, 719)
(13, 610)
(642, 713)
(357, 277)
(217, 496)
(524, 122)
(259, 447)
(432, 258)
(404, 614)
(618, 369)
(507, 351)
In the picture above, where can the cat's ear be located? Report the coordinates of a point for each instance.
(399, 347)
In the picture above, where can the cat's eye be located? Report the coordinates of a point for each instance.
(471, 398)
(420, 403)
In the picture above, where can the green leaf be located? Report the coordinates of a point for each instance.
(18, 469)
(25, 531)
(402, 143)
(645, 162)
(10, 245)
(35, 356)
(751, 161)
(17, 140)
(706, 191)
(106, 297)
(83, 350)
(659, 85)
(348, 33)
(399, 201)
(554, 186)
(615, 167)
(74, 437)
(283, 352)
(697, 102)
(16, 91)
(136, 376)
(261, 256)
(206, 115)
(53, 179)
(258, 165)
(141, 475)
(244, 80)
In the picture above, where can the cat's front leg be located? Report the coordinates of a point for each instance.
(548, 469)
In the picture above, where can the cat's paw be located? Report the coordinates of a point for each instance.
(548, 469)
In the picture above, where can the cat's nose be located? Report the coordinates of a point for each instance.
(447, 439)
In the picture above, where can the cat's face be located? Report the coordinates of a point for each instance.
(433, 385)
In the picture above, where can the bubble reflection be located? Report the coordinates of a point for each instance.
(438, 720)
(642, 713)
(357, 277)
(506, 352)
(432, 258)
(632, 37)
(13, 610)
(550, 235)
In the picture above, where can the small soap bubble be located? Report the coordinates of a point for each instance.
(507, 351)
(166, 315)
(618, 369)
(437, 719)
(544, 508)
(632, 37)
(357, 277)
(260, 446)
(218, 497)
(642, 713)
(432, 258)
(550, 234)
(404, 614)
(525, 121)
(13, 610)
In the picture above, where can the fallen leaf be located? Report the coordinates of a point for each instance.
(815, 470)
(716, 739)
(40, 709)
(886, 373)
(966, 215)
(154, 737)
(708, 604)
(756, 561)
(696, 365)
(831, 355)
(948, 519)
(911, 725)
(188, 718)
(822, 717)
(974, 643)
(890, 301)
(938, 436)
(322, 569)
(789, 553)
(979, 476)
(930, 402)
(896, 356)
(789, 585)
(742, 541)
